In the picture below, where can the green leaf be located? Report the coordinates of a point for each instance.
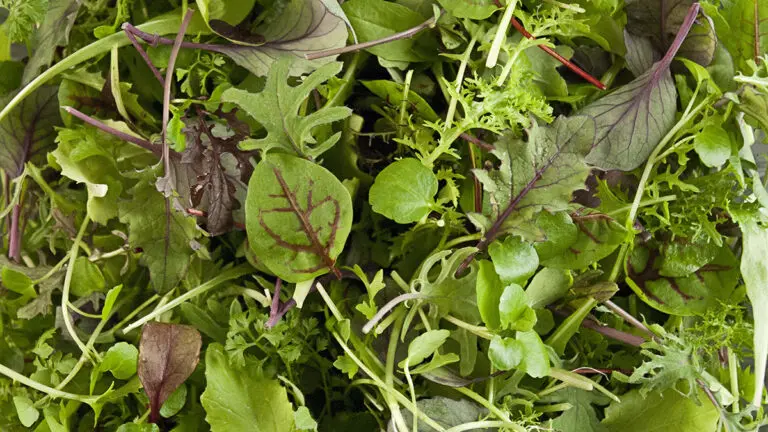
(747, 32)
(713, 145)
(535, 357)
(754, 270)
(52, 33)
(514, 312)
(670, 365)
(165, 234)
(515, 260)
(175, 402)
(303, 419)
(548, 286)
(17, 282)
(87, 278)
(559, 234)
(392, 93)
(438, 360)
(446, 412)
(489, 289)
(25, 410)
(168, 354)
(345, 364)
(404, 191)
(26, 133)
(240, 399)
(109, 301)
(472, 9)
(424, 345)
(540, 174)
(691, 294)
(300, 28)
(227, 12)
(298, 217)
(597, 235)
(581, 417)
(449, 294)
(666, 412)
(505, 353)
(121, 359)
(376, 19)
(286, 129)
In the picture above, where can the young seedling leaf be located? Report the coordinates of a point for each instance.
(404, 191)
(168, 354)
(298, 217)
(286, 129)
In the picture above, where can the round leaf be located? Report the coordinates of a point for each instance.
(121, 359)
(514, 311)
(515, 260)
(713, 146)
(404, 191)
(505, 353)
(298, 216)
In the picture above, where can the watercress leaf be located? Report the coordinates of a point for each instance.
(404, 191)
(472, 9)
(668, 411)
(241, 399)
(52, 33)
(121, 359)
(168, 354)
(505, 353)
(548, 286)
(424, 345)
(514, 312)
(515, 260)
(692, 294)
(376, 19)
(597, 236)
(26, 134)
(713, 145)
(164, 233)
(302, 27)
(489, 289)
(535, 361)
(25, 410)
(298, 217)
(286, 129)
(754, 270)
(581, 417)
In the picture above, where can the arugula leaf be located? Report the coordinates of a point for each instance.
(242, 399)
(286, 128)
(298, 217)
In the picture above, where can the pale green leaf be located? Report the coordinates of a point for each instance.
(404, 191)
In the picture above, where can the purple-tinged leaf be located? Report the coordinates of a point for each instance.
(28, 132)
(168, 354)
(632, 120)
(298, 217)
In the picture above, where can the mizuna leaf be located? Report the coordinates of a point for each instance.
(631, 121)
(298, 217)
(537, 175)
(286, 129)
(302, 27)
(168, 354)
(28, 132)
(53, 32)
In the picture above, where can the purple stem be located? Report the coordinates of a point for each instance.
(154, 40)
(14, 243)
(274, 311)
(143, 54)
(682, 33)
(112, 131)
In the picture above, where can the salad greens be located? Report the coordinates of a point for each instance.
(383, 215)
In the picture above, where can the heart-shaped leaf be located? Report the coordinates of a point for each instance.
(168, 354)
(298, 216)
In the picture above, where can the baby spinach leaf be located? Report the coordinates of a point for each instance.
(302, 27)
(168, 354)
(632, 120)
(404, 191)
(27, 133)
(505, 353)
(286, 129)
(241, 399)
(298, 217)
(713, 145)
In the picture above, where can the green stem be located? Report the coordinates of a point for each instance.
(331, 305)
(501, 35)
(484, 402)
(348, 80)
(570, 326)
(459, 81)
(480, 331)
(486, 425)
(50, 391)
(230, 274)
(734, 373)
(389, 375)
(646, 203)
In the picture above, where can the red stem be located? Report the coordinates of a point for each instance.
(112, 131)
(579, 71)
(274, 311)
(14, 243)
(200, 213)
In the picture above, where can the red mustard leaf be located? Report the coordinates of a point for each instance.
(168, 354)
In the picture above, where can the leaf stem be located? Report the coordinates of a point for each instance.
(413, 31)
(65, 293)
(476, 330)
(389, 374)
(733, 370)
(50, 391)
(143, 55)
(112, 131)
(233, 273)
(626, 316)
(501, 34)
(14, 242)
(331, 305)
(567, 63)
(458, 83)
(274, 309)
(388, 307)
